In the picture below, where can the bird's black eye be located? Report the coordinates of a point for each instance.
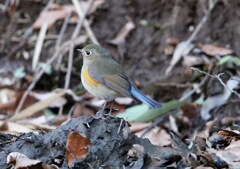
(88, 52)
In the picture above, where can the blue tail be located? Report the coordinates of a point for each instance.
(139, 96)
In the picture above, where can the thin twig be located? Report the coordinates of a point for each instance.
(70, 113)
(70, 55)
(69, 69)
(74, 35)
(63, 30)
(120, 126)
(201, 23)
(218, 77)
(85, 22)
(200, 71)
(190, 93)
(38, 46)
(60, 37)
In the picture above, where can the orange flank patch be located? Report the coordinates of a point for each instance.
(88, 79)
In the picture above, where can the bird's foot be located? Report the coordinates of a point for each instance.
(102, 114)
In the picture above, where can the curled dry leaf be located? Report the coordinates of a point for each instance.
(50, 17)
(136, 127)
(10, 99)
(218, 100)
(7, 99)
(189, 61)
(136, 151)
(120, 39)
(42, 96)
(59, 12)
(173, 124)
(214, 50)
(183, 48)
(94, 6)
(76, 147)
(157, 136)
(34, 108)
(121, 36)
(235, 144)
(6, 95)
(231, 155)
(13, 127)
(21, 161)
(229, 134)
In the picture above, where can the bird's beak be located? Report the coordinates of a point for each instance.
(80, 50)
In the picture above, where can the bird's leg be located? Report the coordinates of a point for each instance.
(103, 108)
(110, 111)
(100, 113)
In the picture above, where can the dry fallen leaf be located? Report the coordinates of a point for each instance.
(157, 136)
(14, 127)
(76, 147)
(190, 110)
(42, 96)
(136, 151)
(231, 155)
(120, 39)
(183, 48)
(7, 99)
(218, 100)
(229, 134)
(234, 144)
(94, 5)
(50, 17)
(58, 12)
(214, 50)
(21, 161)
(203, 167)
(189, 61)
(34, 108)
(136, 127)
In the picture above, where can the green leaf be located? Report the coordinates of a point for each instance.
(47, 68)
(224, 60)
(229, 60)
(132, 113)
(49, 115)
(144, 22)
(142, 113)
(236, 61)
(19, 72)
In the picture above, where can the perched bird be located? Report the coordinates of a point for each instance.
(104, 78)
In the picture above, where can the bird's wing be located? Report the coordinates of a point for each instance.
(110, 74)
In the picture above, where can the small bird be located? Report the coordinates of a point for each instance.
(104, 78)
